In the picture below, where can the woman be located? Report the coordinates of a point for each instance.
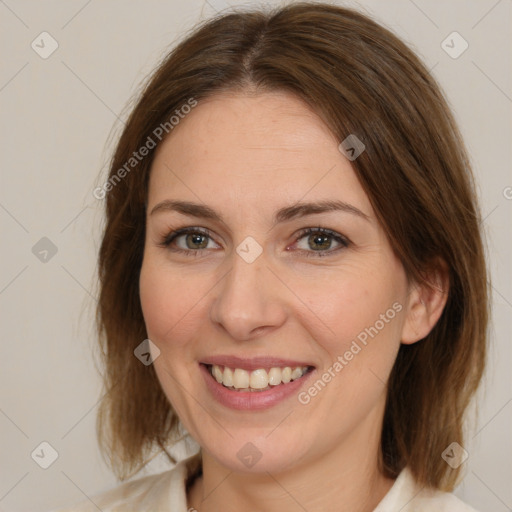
(292, 270)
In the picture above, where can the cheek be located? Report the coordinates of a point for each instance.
(169, 304)
(353, 302)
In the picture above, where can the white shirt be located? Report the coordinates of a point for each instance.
(166, 492)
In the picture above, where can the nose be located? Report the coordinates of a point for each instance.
(249, 300)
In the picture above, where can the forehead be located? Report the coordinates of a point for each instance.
(246, 148)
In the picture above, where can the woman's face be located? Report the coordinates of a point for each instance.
(249, 288)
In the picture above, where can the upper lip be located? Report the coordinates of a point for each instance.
(253, 363)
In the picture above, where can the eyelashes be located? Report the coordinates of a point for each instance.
(185, 232)
(319, 236)
(195, 241)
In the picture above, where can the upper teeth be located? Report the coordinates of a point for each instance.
(257, 379)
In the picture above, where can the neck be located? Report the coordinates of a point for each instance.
(345, 479)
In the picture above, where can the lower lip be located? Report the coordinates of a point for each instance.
(252, 400)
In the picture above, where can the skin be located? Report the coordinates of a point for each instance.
(246, 156)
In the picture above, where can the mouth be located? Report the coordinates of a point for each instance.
(256, 380)
(255, 383)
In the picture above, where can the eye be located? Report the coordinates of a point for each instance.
(319, 242)
(190, 241)
(313, 242)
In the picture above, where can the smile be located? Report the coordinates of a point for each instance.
(261, 379)
(254, 383)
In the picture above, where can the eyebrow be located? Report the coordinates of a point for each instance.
(282, 215)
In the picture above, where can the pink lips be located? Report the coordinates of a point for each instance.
(252, 400)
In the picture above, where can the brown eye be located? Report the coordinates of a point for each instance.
(196, 240)
(320, 242)
(189, 240)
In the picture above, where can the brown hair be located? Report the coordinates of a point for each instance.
(360, 79)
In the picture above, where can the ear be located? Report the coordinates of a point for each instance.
(425, 303)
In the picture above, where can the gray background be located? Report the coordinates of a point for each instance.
(58, 114)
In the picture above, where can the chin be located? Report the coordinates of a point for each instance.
(259, 453)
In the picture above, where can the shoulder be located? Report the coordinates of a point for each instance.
(407, 496)
(163, 491)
